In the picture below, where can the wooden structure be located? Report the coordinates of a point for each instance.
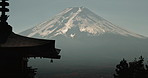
(16, 49)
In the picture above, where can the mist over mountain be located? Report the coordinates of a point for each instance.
(88, 40)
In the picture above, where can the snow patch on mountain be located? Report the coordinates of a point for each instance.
(78, 18)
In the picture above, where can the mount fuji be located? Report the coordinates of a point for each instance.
(88, 40)
(73, 21)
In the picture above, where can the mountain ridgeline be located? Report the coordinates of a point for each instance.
(78, 25)
(87, 39)
(73, 21)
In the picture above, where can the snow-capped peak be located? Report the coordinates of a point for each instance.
(78, 19)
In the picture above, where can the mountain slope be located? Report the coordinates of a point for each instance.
(88, 42)
(78, 29)
(72, 21)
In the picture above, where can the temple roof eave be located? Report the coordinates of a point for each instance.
(17, 45)
(15, 40)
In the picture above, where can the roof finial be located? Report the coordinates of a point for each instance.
(3, 9)
(5, 29)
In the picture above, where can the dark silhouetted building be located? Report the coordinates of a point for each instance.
(16, 49)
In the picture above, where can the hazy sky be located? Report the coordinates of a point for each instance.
(128, 14)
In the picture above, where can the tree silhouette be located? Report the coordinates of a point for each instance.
(135, 69)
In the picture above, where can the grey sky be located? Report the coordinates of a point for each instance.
(128, 14)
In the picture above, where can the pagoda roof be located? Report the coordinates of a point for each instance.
(17, 45)
(15, 40)
(14, 45)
